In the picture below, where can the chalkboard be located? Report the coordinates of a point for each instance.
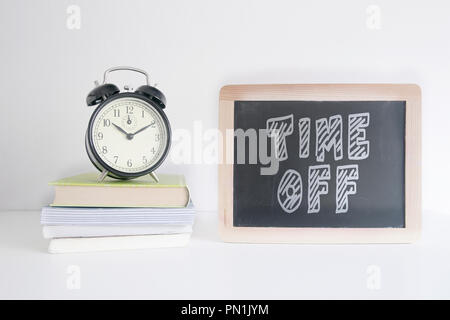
(341, 164)
(320, 163)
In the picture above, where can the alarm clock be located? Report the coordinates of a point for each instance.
(128, 135)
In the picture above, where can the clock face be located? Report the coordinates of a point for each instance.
(129, 135)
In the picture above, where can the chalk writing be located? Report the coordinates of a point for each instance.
(290, 191)
(304, 128)
(345, 185)
(317, 185)
(329, 134)
(328, 137)
(279, 128)
(358, 147)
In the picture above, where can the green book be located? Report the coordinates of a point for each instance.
(84, 191)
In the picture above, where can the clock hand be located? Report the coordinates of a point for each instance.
(142, 129)
(120, 129)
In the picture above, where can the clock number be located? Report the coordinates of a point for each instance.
(130, 109)
(115, 159)
(104, 149)
(99, 136)
(143, 113)
(106, 122)
(116, 112)
(144, 159)
(129, 163)
(157, 137)
(153, 150)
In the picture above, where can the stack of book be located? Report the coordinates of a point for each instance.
(87, 215)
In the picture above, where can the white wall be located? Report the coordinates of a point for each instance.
(192, 48)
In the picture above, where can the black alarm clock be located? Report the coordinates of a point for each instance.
(128, 135)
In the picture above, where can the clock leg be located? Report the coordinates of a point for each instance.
(154, 176)
(102, 176)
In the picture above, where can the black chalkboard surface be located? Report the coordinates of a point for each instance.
(320, 163)
(364, 183)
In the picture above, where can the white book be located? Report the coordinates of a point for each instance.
(73, 245)
(70, 231)
(117, 216)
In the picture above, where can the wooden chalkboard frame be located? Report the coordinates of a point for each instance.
(410, 93)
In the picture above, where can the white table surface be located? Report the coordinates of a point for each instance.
(211, 269)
